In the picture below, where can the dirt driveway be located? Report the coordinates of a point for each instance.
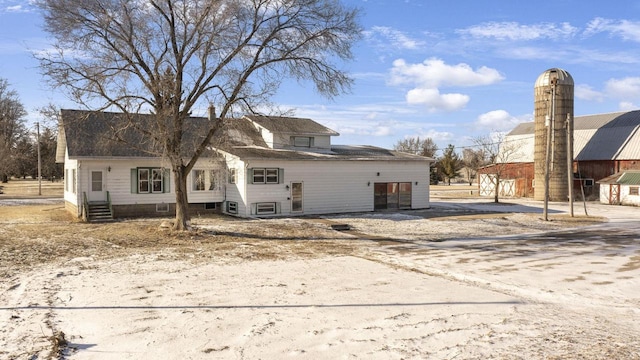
(482, 281)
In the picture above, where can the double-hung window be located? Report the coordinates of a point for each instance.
(214, 183)
(266, 176)
(143, 180)
(73, 181)
(198, 180)
(272, 176)
(149, 180)
(258, 176)
(156, 180)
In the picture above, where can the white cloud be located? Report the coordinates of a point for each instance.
(392, 38)
(627, 30)
(586, 92)
(499, 120)
(436, 101)
(514, 31)
(428, 77)
(627, 106)
(626, 88)
(434, 72)
(17, 6)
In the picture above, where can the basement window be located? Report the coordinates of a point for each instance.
(162, 207)
(265, 208)
(210, 206)
(232, 207)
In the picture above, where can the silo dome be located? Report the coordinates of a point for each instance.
(564, 78)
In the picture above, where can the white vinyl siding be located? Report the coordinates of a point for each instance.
(340, 186)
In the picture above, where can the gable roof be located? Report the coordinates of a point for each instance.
(611, 136)
(291, 125)
(628, 177)
(87, 134)
(92, 134)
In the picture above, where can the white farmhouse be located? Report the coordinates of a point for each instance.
(260, 166)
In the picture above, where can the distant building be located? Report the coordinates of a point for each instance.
(621, 188)
(604, 145)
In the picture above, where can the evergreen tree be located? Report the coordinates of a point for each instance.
(450, 163)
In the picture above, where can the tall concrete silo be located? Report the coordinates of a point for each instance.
(553, 101)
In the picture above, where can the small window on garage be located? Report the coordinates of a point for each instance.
(633, 190)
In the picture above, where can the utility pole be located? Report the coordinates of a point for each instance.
(570, 162)
(39, 160)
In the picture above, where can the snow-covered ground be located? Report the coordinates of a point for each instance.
(547, 293)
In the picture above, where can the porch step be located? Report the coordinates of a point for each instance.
(99, 212)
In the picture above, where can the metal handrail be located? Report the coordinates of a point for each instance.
(109, 203)
(85, 207)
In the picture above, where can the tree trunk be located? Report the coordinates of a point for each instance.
(495, 196)
(182, 203)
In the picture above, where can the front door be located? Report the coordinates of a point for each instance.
(296, 197)
(97, 190)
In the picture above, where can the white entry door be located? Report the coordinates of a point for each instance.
(297, 204)
(97, 190)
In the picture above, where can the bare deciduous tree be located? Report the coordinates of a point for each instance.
(473, 160)
(168, 57)
(414, 145)
(500, 154)
(12, 128)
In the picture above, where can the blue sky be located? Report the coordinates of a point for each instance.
(449, 70)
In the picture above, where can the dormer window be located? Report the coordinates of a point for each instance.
(302, 141)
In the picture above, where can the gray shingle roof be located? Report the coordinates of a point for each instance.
(92, 134)
(338, 152)
(290, 125)
(109, 134)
